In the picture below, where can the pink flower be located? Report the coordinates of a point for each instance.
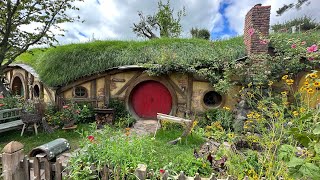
(77, 111)
(1, 105)
(312, 48)
(251, 31)
(310, 58)
(162, 171)
(264, 41)
(303, 43)
(91, 138)
(65, 107)
(1, 97)
(293, 46)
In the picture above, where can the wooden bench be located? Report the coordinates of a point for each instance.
(10, 119)
(187, 122)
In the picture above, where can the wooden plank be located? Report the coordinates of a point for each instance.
(48, 92)
(47, 169)
(161, 116)
(58, 170)
(36, 168)
(26, 167)
(93, 89)
(26, 79)
(175, 87)
(189, 93)
(129, 83)
(107, 84)
(105, 173)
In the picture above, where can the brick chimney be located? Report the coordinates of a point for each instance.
(257, 22)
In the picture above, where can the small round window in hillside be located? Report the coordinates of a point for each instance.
(80, 92)
(212, 99)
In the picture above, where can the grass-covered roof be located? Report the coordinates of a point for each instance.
(62, 64)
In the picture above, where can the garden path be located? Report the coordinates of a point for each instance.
(144, 127)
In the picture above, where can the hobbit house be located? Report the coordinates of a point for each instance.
(170, 76)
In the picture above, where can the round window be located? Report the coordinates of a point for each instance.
(80, 91)
(212, 99)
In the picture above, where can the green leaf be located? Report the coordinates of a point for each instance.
(317, 129)
(317, 148)
(307, 116)
(310, 170)
(294, 162)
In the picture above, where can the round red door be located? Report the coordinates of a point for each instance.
(149, 98)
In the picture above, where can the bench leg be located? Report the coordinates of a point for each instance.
(23, 128)
(35, 128)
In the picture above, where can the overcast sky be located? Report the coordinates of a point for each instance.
(113, 19)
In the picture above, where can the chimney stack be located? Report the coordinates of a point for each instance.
(256, 27)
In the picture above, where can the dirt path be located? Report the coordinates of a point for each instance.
(144, 127)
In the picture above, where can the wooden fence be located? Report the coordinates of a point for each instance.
(17, 166)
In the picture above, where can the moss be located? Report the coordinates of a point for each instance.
(62, 64)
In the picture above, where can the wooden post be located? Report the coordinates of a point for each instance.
(11, 157)
(58, 170)
(141, 171)
(182, 176)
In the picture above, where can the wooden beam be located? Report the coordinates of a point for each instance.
(26, 84)
(11, 76)
(93, 88)
(175, 87)
(129, 82)
(48, 92)
(189, 92)
(82, 80)
(107, 84)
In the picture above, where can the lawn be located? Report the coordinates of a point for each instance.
(30, 140)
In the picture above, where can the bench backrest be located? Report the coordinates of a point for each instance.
(8, 114)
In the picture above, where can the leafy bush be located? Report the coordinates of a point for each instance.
(10, 102)
(305, 23)
(123, 154)
(122, 117)
(224, 116)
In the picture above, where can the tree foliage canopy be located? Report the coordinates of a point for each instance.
(162, 21)
(17, 16)
(296, 5)
(200, 33)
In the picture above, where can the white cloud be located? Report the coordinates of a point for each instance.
(236, 12)
(112, 19)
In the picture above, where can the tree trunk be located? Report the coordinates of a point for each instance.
(3, 89)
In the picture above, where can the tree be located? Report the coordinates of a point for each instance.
(16, 15)
(296, 5)
(163, 21)
(200, 33)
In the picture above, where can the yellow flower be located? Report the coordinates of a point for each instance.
(226, 108)
(250, 84)
(245, 127)
(295, 113)
(285, 103)
(284, 93)
(302, 89)
(316, 84)
(250, 115)
(270, 83)
(310, 91)
(231, 135)
(302, 110)
(289, 81)
(284, 77)
(276, 114)
(313, 75)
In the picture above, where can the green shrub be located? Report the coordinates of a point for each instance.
(224, 115)
(123, 153)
